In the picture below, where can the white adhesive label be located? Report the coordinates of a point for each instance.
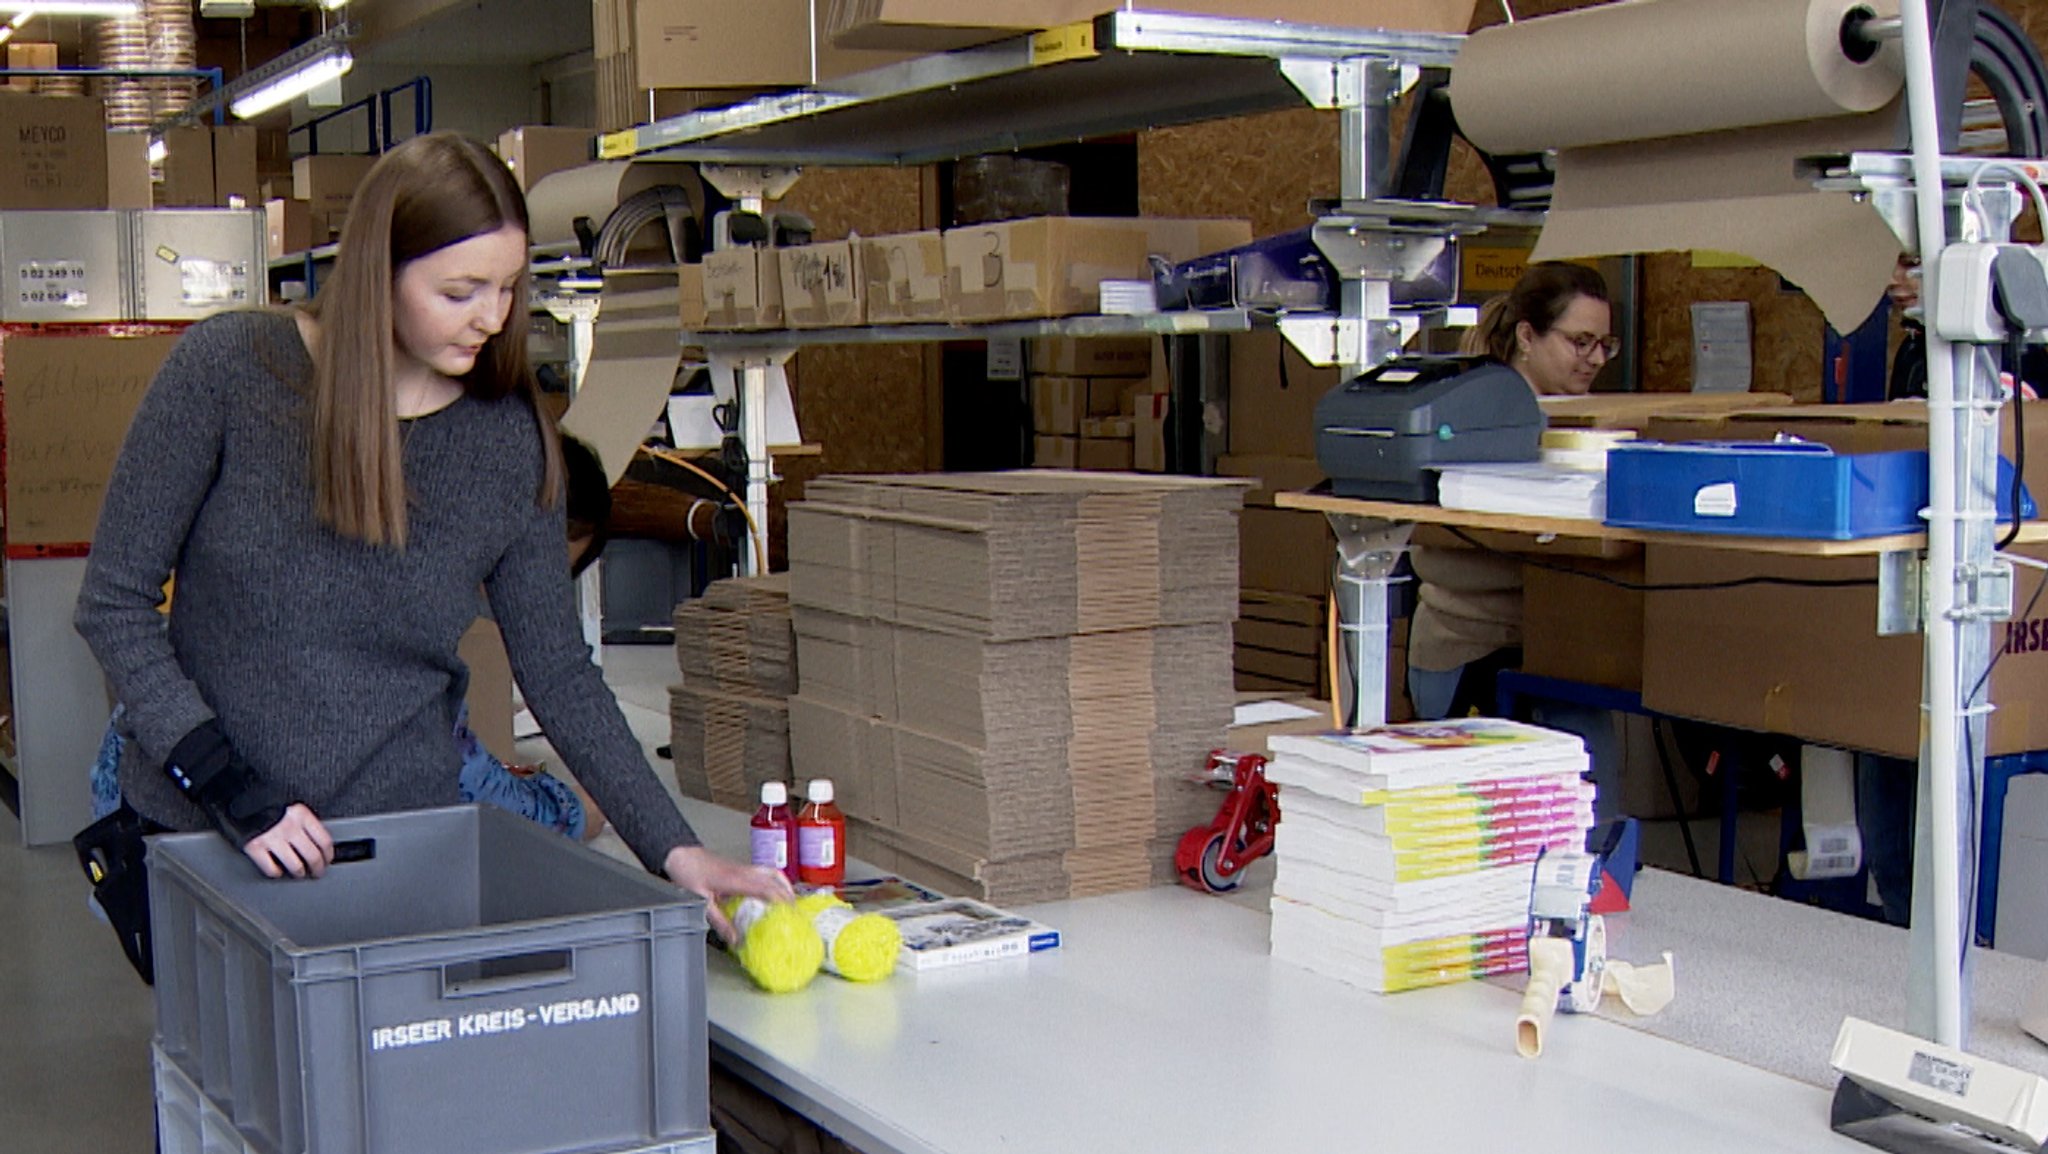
(1714, 501)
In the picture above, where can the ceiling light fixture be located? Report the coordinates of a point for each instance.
(293, 83)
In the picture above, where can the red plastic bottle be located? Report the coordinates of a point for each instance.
(774, 835)
(820, 837)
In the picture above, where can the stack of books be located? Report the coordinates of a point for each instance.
(1404, 852)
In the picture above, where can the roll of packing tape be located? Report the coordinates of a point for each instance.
(1657, 68)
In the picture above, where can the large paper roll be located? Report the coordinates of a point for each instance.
(1633, 71)
(592, 191)
(1678, 124)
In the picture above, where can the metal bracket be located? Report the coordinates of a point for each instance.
(1369, 547)
(1324, 340)
(1353, 83)
(1990, 591)
(743, 182)
(1901, 592)
(1364, 253)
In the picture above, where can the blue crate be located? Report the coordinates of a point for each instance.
(1765, 489)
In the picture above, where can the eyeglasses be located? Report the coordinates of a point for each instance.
(1583, 344)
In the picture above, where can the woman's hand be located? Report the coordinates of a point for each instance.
(297, 845)
(698, 870)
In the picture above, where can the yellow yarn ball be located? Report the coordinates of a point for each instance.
(866, 949)
(812, 904)
(778, 947)
(859, 948)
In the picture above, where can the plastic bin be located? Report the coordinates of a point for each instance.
(1763, 489)
(187, 1123)
(474, 985)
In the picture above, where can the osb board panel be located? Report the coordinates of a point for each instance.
(1786, 330)
(1265, 168)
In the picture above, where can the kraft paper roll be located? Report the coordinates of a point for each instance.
(592, 191)
(1633, 71)
(1692, 147)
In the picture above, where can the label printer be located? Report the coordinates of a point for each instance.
(1381, 435)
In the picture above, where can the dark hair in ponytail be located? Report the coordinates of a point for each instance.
(1540, 297)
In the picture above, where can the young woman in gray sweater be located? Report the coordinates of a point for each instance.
(332, 486)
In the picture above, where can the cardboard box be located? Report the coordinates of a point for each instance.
(1285, 551)
(1111, 396)
(1057, 405)
(533, 151)
(28, 54)
(821, 285)
(693, 314)
(743, 289)
(1104, 455)
(235, 184)
(941, 25)
(1055, 452)
(904, 277)
(289, 226)
(128, 182)
(53, 152)
(1635, 411)
(490, 688)
(709, 44)
(69, 400)
(1097, 357)
(1054, 266)
(1273, 395)
(1274, 474)
(1807, 662)
(187, 168)
(1580, 629)
(328, 182)
(1148, 435)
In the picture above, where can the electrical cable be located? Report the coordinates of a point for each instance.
(1668, 587)
(759, 539)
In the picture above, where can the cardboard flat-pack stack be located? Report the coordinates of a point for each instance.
(1015, 678)
(730, 715)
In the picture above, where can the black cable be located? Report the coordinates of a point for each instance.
(2016, 351)
(1692, 851)
(1672, 587)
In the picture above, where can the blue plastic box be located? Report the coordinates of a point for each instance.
(1763, 489)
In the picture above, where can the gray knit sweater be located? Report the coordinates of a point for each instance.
(330, 664)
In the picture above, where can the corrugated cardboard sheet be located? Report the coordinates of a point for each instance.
(1014, 678)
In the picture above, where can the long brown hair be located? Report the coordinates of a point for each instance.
(1539, 297)
(424, 195)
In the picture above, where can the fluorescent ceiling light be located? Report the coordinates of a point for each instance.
(158, 150)
(6, 33)
(331, 5)
(75, 8)
(293, 84)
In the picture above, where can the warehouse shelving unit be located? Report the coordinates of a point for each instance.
(1122, 72)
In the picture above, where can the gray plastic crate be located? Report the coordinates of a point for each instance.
(476, 985)
(187, 1123)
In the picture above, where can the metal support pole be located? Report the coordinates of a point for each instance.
(1367, 553)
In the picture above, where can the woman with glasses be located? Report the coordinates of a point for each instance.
(1555, 328)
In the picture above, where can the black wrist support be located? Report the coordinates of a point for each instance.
(240, 804)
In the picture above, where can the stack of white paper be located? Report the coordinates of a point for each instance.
(1404, 853)
(1525, 488)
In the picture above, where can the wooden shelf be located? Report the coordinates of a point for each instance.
(1595, 531)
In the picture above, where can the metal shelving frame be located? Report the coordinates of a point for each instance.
(1122, 72)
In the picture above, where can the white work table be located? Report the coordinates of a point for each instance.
(1163, 1025)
